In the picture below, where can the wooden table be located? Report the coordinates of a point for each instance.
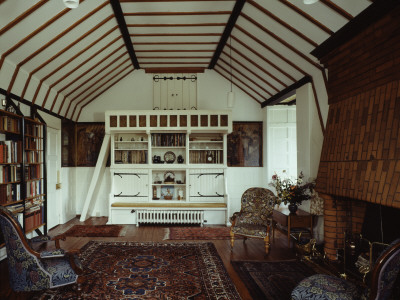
(300, 219)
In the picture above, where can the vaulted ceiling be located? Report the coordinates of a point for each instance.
(62, 59)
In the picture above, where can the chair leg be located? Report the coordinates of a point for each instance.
(266, 240)
(232, 239)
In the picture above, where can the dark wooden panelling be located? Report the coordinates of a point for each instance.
(123, 121)
(183, 120)
(132, 121)
(204, 120)
(224, 120)
(214, 120)
(142, 121)
(113, 121)
(164, 121)
(153, 121)
(173, 121)
(194, 120)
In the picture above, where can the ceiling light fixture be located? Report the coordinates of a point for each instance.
(310, 1)
(71, 3)
(231, 95)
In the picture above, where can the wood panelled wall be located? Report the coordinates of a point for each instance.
(361, 151)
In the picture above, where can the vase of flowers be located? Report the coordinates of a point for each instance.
(292, 192)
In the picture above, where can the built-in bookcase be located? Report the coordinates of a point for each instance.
(22, 173)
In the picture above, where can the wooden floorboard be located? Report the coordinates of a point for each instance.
(252, 249)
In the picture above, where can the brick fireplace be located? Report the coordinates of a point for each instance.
(360, 159)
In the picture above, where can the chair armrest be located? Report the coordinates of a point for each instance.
(52, 254)
(75, 262)
(40, 239)
(57, 239)
(234, 217)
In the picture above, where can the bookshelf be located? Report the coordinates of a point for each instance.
(22, 170)
(168, 165)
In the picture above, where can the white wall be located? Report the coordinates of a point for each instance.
(136, 92)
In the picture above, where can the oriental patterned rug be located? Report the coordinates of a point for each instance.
(132, 270)
(273, 280)
(96, 231)
(197, 233)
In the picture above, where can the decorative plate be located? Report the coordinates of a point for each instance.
(169, 157)
(169, 177)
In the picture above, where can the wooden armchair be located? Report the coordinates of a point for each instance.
(255, 217)
(30, 270)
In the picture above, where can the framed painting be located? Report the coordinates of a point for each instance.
(89, 138)
(245, 145)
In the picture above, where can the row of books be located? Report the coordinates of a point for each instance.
(10, 193)
(33, 130)
(33, 172)
(206, 157)
(34, 188)
(10, 173)
(32, 157)
(9, 124)
(130, 157)
(10, 151)
(34, 217)
(168, 139)
(30, 143)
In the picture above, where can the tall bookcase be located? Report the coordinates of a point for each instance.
(22, 170)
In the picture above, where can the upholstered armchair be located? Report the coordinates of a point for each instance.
(325, 287)
(30, 270)
(255, 217)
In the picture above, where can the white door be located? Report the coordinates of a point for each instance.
(53, 167)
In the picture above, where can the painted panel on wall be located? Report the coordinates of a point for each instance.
(89, 137)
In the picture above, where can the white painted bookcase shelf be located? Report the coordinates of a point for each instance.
(168, 166)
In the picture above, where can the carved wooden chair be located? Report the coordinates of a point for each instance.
(30, 270)
(325, 287)
(255, 217)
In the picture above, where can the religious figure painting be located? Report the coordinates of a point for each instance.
(245, 145)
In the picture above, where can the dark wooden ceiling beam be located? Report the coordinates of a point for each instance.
(307, 16)
(177, 13)
(76, 68)
(271, 50)
(174, 57)
(241, 81)
(283, 42)
(175, 43)
(237, 9)
(239, 87)
(87, 89)
(174, 70)
(250, 71)
(178, 25)
(371, 14)
(283, 23)
(277, 97)
(87, 71)
(261, 57)
(22, 16)
(243, 75)
(103, 91)
(33, 34)
(174, 50)
(174, 34)
(60, 53)
(337, 9)
(116, 6)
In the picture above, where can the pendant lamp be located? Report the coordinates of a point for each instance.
(71, 3)
(231, 95)
(310, 1)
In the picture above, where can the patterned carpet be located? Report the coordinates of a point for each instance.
(197, 233)
(131, 270)
(96, 231)
(271, 280)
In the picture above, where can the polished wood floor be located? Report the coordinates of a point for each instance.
(252, 249)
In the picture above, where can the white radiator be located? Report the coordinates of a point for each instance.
(170, 216)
